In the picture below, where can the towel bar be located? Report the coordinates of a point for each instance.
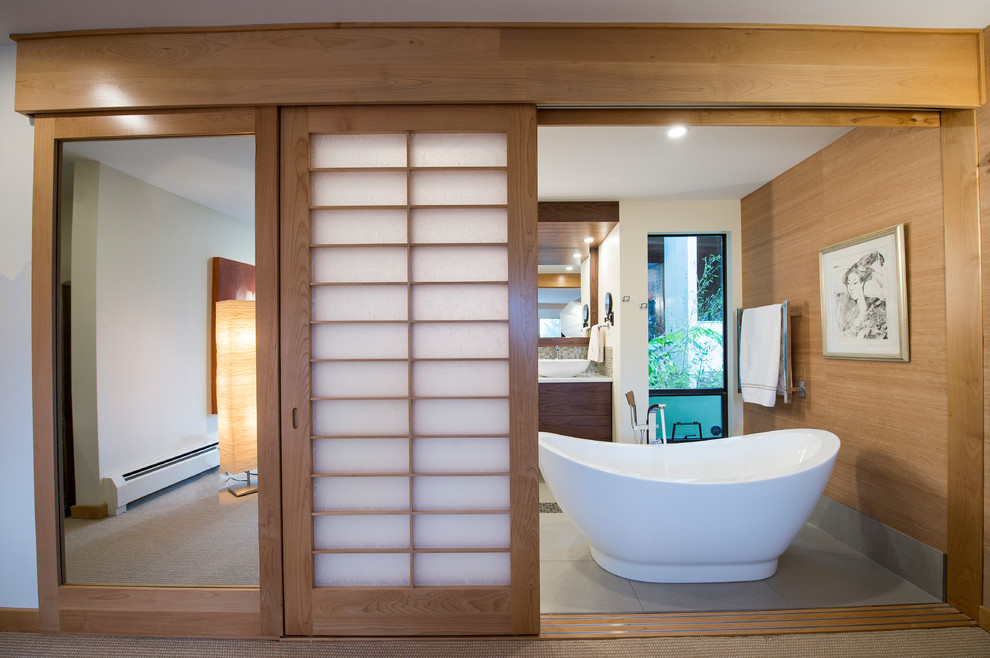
(801, 389)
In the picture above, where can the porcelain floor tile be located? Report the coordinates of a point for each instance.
(697, 597)
(560, 540)
(833, 580)
(546, 496)
(814, 541)
(583, 586)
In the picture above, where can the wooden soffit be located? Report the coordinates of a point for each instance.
(584, 65)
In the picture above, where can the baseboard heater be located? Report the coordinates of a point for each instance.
(123, 488)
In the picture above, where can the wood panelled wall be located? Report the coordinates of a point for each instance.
(983, 133)
(890, 417)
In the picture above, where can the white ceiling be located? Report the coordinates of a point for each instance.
(216, 172)
(642, 163)
(24, 16)
(575, 163)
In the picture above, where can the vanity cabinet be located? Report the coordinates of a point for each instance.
(576, 408)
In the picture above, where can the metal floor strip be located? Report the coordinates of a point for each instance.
(817, 620)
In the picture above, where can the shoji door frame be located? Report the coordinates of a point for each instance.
(194, 611)
(963, 299)
(780, 69)
(411, 610)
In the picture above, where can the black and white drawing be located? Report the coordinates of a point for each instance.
(864, 307)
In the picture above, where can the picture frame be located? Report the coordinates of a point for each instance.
(864, 297)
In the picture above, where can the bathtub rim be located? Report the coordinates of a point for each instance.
(825, 456)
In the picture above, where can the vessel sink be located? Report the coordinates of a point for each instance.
(562, 367)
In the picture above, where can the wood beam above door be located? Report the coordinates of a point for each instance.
(575, 65)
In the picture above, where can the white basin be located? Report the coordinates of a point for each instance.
(562, 367)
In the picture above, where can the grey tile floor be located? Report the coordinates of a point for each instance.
(816, 571)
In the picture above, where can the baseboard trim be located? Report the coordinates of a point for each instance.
(88, 511)
(20, 620)
(913, 560)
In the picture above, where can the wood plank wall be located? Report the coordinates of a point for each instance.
(891, 417)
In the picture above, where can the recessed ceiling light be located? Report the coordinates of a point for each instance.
(589, 239)
(676, 132)
(576, 254)
(569, 268)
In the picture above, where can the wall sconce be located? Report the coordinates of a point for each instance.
(609, 313)
(237, 396)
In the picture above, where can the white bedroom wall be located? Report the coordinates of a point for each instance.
(18, 563)
(151, 288)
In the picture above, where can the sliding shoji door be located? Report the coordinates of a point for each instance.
(409, 380)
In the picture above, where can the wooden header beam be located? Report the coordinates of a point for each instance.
(572, 65)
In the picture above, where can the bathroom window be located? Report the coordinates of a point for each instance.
(687, 362)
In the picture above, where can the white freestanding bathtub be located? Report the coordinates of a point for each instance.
(709, 511)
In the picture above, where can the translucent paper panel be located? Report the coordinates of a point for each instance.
(359, 303)
(461, 341)
(457, 455)
(461, 492)
(360, 341)
(461, 531)
(361, 570)
(360, 493)
(460, 264)
(371, 226)
(372, 188)
(358, 531)
(358, 151)
(353, 418)
(462, 569)
(459, 150)
(461, 302)
(459, 188)
(365, 455)
(364, 264)
(380, 379)
(467, 378)
(459, 225)
(455, 417)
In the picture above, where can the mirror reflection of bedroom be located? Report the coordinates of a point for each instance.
(147, 437)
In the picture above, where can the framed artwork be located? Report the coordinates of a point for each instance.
(864, 297)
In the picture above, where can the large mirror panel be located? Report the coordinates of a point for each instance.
(570, 233)
(143, 493)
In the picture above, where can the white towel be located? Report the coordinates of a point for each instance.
(596, 346)
(760, 354)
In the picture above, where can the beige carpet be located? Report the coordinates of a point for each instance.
(191, 534)
(950, 642)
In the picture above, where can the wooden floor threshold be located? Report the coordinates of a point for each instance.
(817, 620)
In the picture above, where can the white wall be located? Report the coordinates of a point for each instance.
(143, 281)
(18, 564)
(623, 273)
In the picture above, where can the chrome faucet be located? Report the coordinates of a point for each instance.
(650, 422)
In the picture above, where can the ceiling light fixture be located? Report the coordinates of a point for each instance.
(576, 254)
(589, 240)
(676, 132)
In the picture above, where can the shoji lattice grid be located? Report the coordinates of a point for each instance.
(410, 360)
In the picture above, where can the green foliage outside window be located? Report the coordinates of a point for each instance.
(691, 356)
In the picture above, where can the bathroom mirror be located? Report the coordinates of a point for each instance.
(139, 221)
(569, 236)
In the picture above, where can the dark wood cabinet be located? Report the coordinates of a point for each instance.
(581, 409)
